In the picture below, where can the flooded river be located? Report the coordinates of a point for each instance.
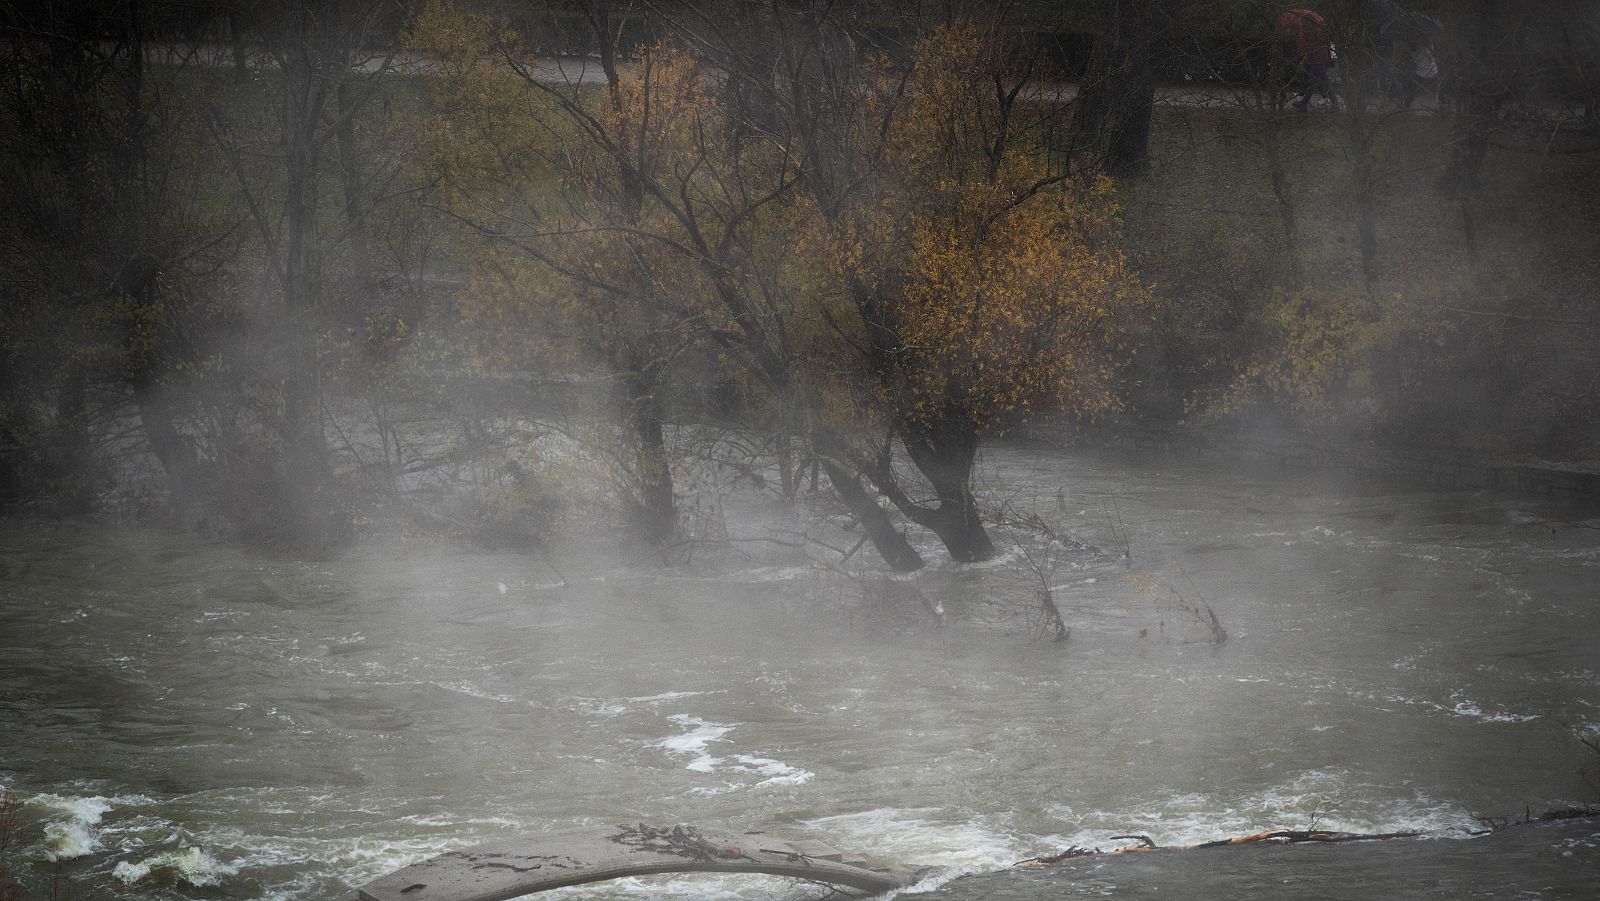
(182, 720)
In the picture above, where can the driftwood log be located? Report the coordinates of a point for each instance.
(511, 869)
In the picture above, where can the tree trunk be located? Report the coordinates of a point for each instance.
(313, 517)
(791, 422)
(350, 178)
(833, 455)
(598, 12)
(1483, 89)
(302, 411)
(1118, 91)
(1364, 176)
(653, 498)
(944, 452)
(138, 280)
(1283, 193)
(172, 448)
(886, 539)
(786, 473)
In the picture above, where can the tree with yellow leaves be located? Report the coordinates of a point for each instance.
(616, 221)
(981, 284)
(898, 252)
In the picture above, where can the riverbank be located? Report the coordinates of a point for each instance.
(1282, 452)
(1332, 278)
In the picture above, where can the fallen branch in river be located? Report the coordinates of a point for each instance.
(1275, 836)
(1296, 836)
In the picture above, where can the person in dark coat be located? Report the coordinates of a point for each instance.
(1401, 42)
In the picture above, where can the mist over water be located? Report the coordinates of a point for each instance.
(183, 719)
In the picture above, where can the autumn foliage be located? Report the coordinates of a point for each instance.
(1000, 280)
(958, 282)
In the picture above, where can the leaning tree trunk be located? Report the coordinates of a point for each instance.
(885, 538)
(890, 544)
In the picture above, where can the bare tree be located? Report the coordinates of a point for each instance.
(315, 48)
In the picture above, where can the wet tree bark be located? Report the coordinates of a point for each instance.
(655, 507)
(886, 539)
(944, 451)
(942, 448)
(598, 15)
(955, 520)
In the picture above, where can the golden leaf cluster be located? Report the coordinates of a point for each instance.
(1002, 284)
(959, 277)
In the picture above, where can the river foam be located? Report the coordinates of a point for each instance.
(71, 830)
(695, 743)
(72, 822)
(188, 865)
(919, 837)
(606, 708)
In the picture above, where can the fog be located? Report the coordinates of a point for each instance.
(960, 436)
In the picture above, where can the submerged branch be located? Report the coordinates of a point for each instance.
(1275, 836)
